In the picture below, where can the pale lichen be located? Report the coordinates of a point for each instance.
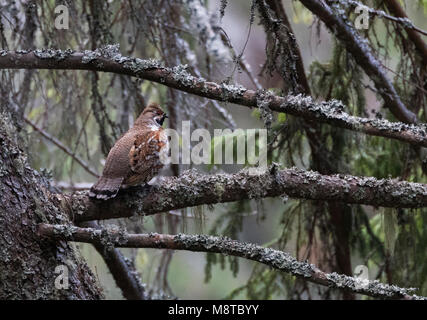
(229, 91)
(263, 99)
(57, 55)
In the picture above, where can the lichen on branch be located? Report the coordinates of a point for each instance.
(276, 259)
(194, 189)
(109, 59)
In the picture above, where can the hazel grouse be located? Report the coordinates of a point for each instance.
(136, 157)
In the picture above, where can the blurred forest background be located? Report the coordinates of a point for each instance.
(225, 41)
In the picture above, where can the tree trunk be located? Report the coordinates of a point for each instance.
(32, 267)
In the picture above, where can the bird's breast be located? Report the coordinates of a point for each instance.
(164, 147)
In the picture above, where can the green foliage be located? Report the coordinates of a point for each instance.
(237, 137)
(382, 159)
(390, 229)
(229, 224)
(263, 284)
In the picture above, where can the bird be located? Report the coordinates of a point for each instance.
(136, 157)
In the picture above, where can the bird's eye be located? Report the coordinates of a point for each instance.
(160, 119)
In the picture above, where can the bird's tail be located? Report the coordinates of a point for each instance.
(105, 188)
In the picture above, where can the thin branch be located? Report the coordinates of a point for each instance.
(276, 259)
(395, 8)
(110, 60)
(273, 17)
(195, 189)
(267, 9)
(122, 270)
(243, 63)
(363, 55)
(58, 143)
(246, 67)
(400, 18)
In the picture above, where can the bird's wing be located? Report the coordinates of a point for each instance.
(144, 156)
(117, 163)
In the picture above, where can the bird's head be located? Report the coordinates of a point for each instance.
(152, 113)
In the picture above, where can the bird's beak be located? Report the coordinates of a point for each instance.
(163, 118)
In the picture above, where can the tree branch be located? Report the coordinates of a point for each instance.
(58, 143)
(273, 24)
(109, 59)
(273, 17)
(276, 259)
(122, 270)
(399, 18)
(194, 189)
(395, 8)
(364, 56)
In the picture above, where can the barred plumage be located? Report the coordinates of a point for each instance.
(135, 158)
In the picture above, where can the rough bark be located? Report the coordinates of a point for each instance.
(27, 263)
(194, 189)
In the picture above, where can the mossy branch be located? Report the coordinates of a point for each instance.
(276, 259)
(195, 189)
(335, 20)
(121, 268)
(109, 59)
(396, 9)
(64, 148)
